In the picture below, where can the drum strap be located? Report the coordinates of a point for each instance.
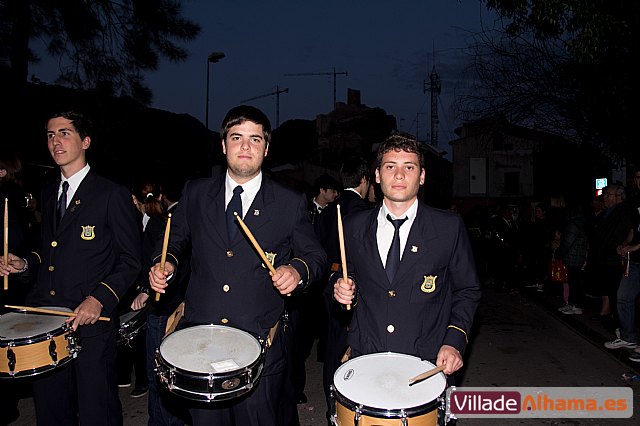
(174, 319)
(272, 334)
(347, 355)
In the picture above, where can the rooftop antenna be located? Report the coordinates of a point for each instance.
(277, 95)
(334, 74)
(434, 86)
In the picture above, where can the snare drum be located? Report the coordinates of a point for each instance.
(374, 390)
(131, 323)
(209, 362)
(32, 344)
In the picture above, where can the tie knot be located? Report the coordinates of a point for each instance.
(65, 186)
(238, 190)
(397, 223)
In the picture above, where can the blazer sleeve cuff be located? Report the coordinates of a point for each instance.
(456, 337)
(107, 296)
(302, 268)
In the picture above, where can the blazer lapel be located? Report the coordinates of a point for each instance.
(216, 207)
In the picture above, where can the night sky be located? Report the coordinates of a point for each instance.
(387, 49)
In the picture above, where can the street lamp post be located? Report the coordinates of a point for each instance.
(211, 59)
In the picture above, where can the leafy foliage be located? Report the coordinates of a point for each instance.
(98, 44)
(562, 66)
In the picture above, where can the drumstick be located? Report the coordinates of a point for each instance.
(343, 256)
(426, 375)
(49, 311)
(6, 241)
(255, 244)
(165, 244)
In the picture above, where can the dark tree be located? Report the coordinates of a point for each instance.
(98, 44)
(561, 66)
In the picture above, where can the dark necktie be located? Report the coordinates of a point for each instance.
(62, 202)
(393, 257)
(235, 205)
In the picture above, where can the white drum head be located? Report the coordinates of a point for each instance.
(24, 325)
(210, 349)
(381, 381)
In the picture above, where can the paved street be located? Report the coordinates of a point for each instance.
(519, 340)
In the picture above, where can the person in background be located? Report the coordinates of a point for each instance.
(354, 174)
(573, 252)
(229, 285)
(164, 408)
(88, 258)
(326, 190)
(615, 228)
(11, 189)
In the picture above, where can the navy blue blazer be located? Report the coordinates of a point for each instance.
(95, 251)
(433, 297)
(229, 285)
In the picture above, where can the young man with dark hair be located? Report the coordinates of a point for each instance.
(229, 285)
(412, 283)
(88, 258)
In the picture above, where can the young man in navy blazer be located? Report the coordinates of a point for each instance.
(229, 285)
(427, 306)
(89, 256)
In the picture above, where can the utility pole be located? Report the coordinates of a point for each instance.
(434, 86)
(334, 74)
(277, 95)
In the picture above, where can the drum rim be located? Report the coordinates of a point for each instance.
(198, 374)
(392, 413)
(42, 337)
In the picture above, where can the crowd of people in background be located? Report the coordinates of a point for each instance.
(597, 241)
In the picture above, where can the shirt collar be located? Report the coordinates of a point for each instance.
(249, 189)
(76, 179)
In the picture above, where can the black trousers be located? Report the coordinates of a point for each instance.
(85, 390)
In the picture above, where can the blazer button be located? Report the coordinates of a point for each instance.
(52, 292)
(51, 268)
(391, 328)
(230, 253)
(54, 244)
(225, 288)
(224, 320)
(392, 293)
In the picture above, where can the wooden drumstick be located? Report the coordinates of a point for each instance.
(165, 245)
(6, 241)
(49, 311)
(343, 256)
(426, 375)
(255, 243)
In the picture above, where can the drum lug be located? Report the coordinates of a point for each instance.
(11, 357)
(356, 415)
(403, 421)
(52, 351)
(73, 345)
(445, 404)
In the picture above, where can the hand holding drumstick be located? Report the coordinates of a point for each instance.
(285, 277)
(160, 271)
(344, 288)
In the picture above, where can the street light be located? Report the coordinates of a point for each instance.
(212, 59)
